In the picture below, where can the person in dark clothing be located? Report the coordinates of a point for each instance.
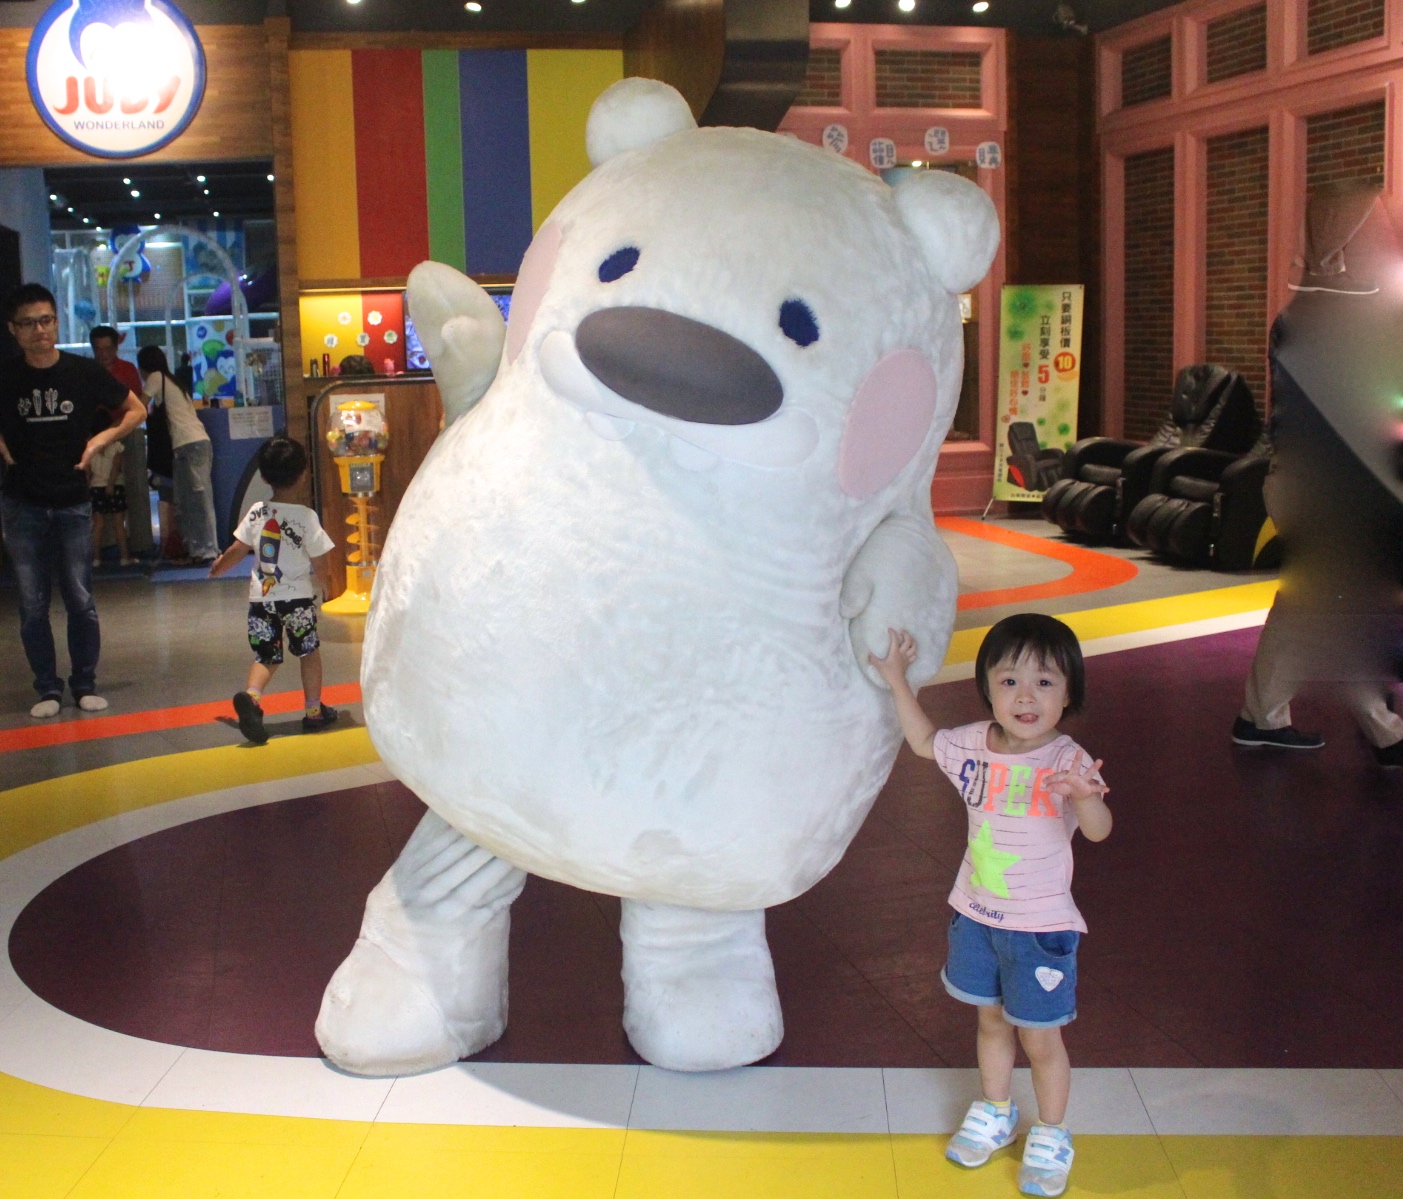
(57, 410)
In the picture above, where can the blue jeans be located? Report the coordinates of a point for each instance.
(194, 499)
(43, 542)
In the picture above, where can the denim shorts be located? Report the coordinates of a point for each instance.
(1034, 975)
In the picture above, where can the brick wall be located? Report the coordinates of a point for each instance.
(1235, 322)
(823, 82)
(1146, 72)
(1237, 44)
(1345, 144)
(1334, 23)
(1149, 289)
(929, 79)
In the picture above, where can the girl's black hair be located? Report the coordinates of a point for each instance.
(152, 360)
(1047, 639)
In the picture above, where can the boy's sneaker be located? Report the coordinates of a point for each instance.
(1047, 1160)
(323, 719)
(1244, 732)
(985, 1131)
(250, 716)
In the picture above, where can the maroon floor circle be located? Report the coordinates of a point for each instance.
(1247, 910)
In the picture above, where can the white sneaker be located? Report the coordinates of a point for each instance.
(44, 709)
(92, 703)
(984, 1132)
(1047, 1160)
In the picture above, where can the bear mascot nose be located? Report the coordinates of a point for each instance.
(678, 367)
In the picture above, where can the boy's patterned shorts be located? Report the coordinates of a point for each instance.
(266, 622)
(108, 500)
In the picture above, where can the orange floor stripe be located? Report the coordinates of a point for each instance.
(93, 728)
(1090, 571)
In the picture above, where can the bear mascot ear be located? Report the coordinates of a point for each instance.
(955, 224)
(634, 113)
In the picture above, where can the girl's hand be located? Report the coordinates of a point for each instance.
(901, 653)
(1078, 784)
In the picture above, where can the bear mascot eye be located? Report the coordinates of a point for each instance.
(618, 264)
(796, 321)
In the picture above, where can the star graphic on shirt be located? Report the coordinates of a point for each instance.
(989, 862)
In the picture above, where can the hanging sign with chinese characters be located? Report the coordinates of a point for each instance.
(989, 156)
(1039, 382)
(881, 152)
(937, 140)
(835, 138)
(115, 78)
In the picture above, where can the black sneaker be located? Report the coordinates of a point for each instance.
(250, 718)
(323, 719)
(1244, 732)
(1390, 757)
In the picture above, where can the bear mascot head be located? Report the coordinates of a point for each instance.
(620, 630)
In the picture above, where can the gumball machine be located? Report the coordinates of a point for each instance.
(357, 439)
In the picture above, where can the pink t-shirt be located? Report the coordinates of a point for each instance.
(1017, 871)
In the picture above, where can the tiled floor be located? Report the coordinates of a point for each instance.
(193, 894)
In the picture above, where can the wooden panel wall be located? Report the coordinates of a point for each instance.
(234, 120)
(681, 42)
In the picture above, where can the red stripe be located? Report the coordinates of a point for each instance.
(93, 728)
(1090, 571)
(392, 194)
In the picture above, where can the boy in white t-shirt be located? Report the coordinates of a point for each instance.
(293, 560)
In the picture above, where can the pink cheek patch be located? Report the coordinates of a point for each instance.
(531, 283)
(887, 423)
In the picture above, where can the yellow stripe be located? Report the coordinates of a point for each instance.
(1264, 535)
(561, 86)
(34, 813)
(1138, 617)
(324, 164)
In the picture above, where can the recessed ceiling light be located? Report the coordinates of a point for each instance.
(906, 5)
(206, 191)
(473, 6)
(270, 178)
(352, 1)
(980, 6)
(54, 197)
(70, 208)
(198, 179)
(157, 215)
(136, 195)
(577, 1)
(128, 182)
(87, 220)
(841, 3)
(216, 212)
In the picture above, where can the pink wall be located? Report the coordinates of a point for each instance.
(965, 475)
(1293, 87)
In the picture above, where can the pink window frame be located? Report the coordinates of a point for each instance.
(1293, 87)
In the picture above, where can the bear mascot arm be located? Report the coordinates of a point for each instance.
(903, 576)
(461, 330)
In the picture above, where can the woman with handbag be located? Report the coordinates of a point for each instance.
(191, 455)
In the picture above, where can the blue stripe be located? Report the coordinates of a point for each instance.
(496, 159)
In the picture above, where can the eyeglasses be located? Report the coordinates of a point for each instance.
(47, 321)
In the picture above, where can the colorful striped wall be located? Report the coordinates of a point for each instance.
(455, 155)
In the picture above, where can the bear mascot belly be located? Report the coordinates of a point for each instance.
(620, 630)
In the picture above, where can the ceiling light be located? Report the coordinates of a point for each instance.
(577, 1)
(136, 195)
(206, 191)
(53, 196)
(198, 179)
(157, 215)
(980, 6)
(216, 212)
(473, 6)
(906, 5)
(352, 1)
(270, 178)
(916, 162)
(70, 208)
(128, 182)
(841, 3)
(87, 220)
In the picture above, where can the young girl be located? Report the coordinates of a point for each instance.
(1013, 938)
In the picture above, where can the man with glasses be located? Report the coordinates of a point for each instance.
(52, 405)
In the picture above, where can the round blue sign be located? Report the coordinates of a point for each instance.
(116, 78)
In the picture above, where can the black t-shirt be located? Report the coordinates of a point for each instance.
(46, 418)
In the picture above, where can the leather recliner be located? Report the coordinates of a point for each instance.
(1029, 465)
(1206, 507)
(1104, 478)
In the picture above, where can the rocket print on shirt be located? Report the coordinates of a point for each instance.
(269, 544)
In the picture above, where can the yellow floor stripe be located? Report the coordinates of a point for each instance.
(38, 811)
(1118, 619)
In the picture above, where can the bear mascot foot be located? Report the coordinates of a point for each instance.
(426, 983)
(699, 987)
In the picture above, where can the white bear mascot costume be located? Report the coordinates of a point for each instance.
(620, 631)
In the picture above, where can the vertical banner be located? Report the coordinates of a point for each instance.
(1039, 379)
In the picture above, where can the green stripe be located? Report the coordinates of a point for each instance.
(443, 155)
